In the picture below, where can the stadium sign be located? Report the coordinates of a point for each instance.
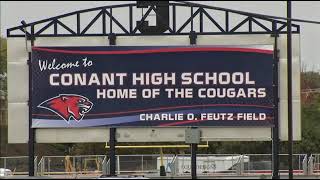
(152, 86)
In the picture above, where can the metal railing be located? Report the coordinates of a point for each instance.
(17, 164)
(314, 164)
(141, 164)
(106, 165)
(175, 165)
(71, 165)
(262, 164)
(209, 164)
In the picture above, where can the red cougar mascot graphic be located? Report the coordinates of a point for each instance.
(68, 106)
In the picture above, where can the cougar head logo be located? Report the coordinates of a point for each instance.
(68, 106)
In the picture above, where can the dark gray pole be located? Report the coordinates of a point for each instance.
(275, 129)
(289, 54)
(194, 148)
(112, 151)
(31, 140)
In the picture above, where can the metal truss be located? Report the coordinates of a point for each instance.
(196, 21)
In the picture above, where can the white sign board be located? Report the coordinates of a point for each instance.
(18, 92)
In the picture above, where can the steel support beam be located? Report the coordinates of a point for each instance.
(290, 124)
(194, 148)
(275, 129)
(112, 151)
(31, 141)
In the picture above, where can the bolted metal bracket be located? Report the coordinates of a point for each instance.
(274, 34)
(193, 37)
(112, 39)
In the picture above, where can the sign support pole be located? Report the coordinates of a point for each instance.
(289, 55)
(194, 148)
(193, 145)
(192, 136)
(112, 151)
(31, 141)
(275, 129)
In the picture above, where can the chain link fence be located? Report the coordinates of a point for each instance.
(315, 161)
(18, 164)
(149, 165)
(262, 164)
(71, 165)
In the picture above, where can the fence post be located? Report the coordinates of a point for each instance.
(36, 166)
(41, 166)
(237, 164)
(118, 164)
(241, 164)
(108, 166)
(175, 165)
(142, 163)
(310, 165)
(305, 165)
(49, 166)
(104, 166)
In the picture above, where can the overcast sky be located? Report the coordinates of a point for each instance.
(12, 12)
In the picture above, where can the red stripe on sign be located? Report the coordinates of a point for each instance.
(163, 50)
(168, 108)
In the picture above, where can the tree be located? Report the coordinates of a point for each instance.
(310, 127)
(3, 71)
(3, 99)
(3, 55)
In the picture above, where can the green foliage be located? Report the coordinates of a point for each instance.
(3, 102)
(310, 128)
(310, 80)
(3, 68)
(3, 55)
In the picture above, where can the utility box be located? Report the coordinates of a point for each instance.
(192, 135)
